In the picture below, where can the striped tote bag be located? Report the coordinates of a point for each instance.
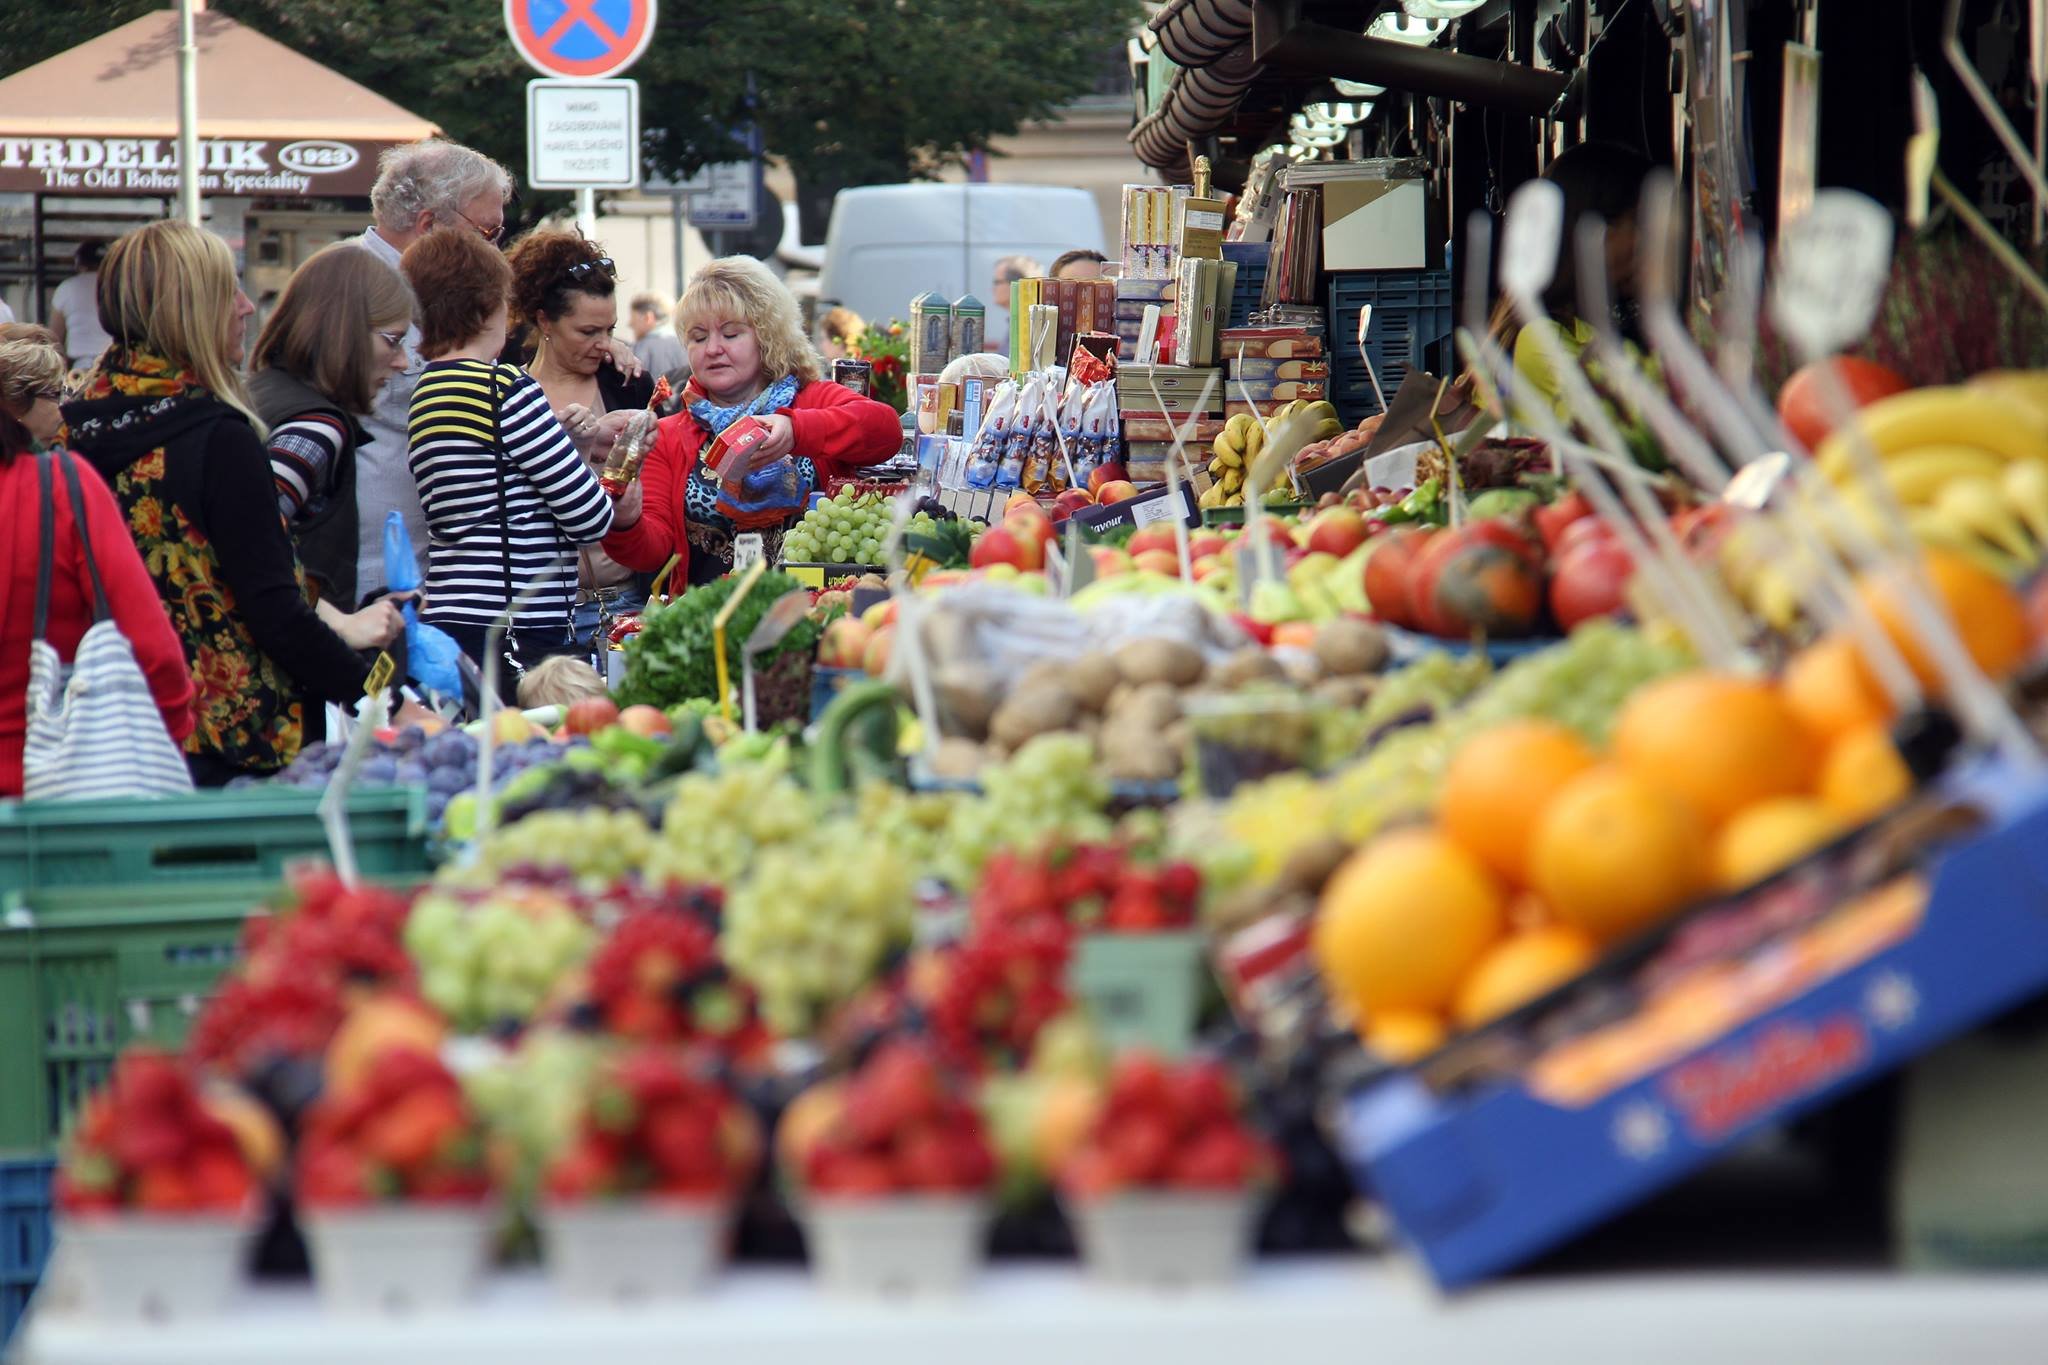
(93, 727)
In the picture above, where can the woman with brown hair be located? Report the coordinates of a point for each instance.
(507, 497)
(165, 420)
(564, 288)
(89, 544)
(336, 334)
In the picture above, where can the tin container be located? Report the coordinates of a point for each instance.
(970, 324)
(931, 333)
(858, 375)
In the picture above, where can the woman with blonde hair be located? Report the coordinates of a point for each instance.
(335, 336)
(165, 420)
(748, 358)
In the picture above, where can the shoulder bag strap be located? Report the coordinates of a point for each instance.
(100, 610)
(501, 455)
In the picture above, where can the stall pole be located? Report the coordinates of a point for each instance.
(188, 112)
(586, 211)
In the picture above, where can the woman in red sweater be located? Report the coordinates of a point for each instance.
(32, 378)
(748, 358)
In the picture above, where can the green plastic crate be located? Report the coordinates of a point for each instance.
(84, 972)
(1142, 990)
(209, 836)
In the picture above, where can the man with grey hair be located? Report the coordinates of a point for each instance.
(420, 186)
(655, 341)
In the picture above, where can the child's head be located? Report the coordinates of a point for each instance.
(558, 681)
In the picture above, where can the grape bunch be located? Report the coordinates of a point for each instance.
(444, 763)
(815, 919)
(594, 845)
(532, 1098)
(496, 960)
(717, 824)
(845, 529)
(1048, 787)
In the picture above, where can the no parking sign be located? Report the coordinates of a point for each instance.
(580, 39)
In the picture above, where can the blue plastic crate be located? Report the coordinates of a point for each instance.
(1411, 330)
(1485, 1177)
(1251, 258)
(24, 1235)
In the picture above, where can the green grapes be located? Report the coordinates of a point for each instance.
(844, 529)
(814, 919)
(534, 1098)
(1050, 786)
(498, 959)
(717, 824)
(594, 845)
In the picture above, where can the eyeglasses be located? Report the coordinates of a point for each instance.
(53, 394)
(395, 340)
(488, 234)
(602, 265)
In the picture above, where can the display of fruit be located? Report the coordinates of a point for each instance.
(408, 1133)
(987, 996)
(1803, 404)
(1165, 1126)
(495, 959)
(444, 763)
(658, 978)
(653, 1125)
(1238, 446)
(1089, 886)
(148, 1142)
(899, 1124)
(595, 845)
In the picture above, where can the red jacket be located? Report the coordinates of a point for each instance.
(131, 594)
(836, 428)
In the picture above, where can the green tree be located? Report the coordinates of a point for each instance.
(847, 92)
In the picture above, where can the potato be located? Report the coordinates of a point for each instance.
(1131, 755)
(1167, 661)
(958, 759)
(1044, 673)
(1345, 693)
(1092, 677)
(1030, 712)
(967, 698)
(1349, 647)
(1250, 664)
(1145, 710)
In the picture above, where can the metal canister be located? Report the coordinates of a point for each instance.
(851, 372)
(931, 333)
(970, 320)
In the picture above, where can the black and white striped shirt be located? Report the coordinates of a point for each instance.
(552, 501)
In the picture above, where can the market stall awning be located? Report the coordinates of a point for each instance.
(102, 118)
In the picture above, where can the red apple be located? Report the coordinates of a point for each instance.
(846, 639)
(1153, 537)
(645, 721)
(1206, 543)
(1336, 531)
(1033, 532)
(1206, 565)
(1020, 500)
(1116, 490)
(1157, 561)
(999, 545)
(588, 715)
(1070, 502)
(1109, 561)
(875, 658)
(1109, 471)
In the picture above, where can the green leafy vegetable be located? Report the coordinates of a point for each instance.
(672, 659)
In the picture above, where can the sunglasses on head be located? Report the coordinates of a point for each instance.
(601, 266)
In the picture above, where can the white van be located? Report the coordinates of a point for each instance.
(889, 243)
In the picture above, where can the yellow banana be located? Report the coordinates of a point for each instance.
(2025, 484)
(2026, 386)
(1930, 527)
(1940, 416)
(1917, 477)
(1228, 459)
(1977, 507)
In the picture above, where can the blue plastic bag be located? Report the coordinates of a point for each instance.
(430, 653)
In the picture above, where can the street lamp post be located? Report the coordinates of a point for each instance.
(188, 112)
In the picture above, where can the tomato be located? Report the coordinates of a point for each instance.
(1553, 518)
(1584, 531)
(1590, 580)
(1804, 410)
(1387, 572)
(1701, 529)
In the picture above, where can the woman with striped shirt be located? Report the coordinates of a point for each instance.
(507, 498)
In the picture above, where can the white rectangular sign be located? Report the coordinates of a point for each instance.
(583, 134)
(729, 201)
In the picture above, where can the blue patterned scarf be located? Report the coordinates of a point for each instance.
(780, 394)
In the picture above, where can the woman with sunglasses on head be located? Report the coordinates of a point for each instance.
(335, 336)
(564, 289)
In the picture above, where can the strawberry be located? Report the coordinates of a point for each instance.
(410, 1133)
(835, 1172)
(220, 1179)
(331, 1176)
(1222, 1158)
(1140, 1081)
(1090, 1173)
(898, 1086)
(585, 1170)
(1203, 1095)
(683, 1142)
(144, 1141)
(1139, 1146)
(164, 1189)
(73, 1197)
(1180, 885)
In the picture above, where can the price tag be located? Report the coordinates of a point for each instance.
(1754, 483)
(1529, 246)
(1832, 267)
(380, 675)
(746, 551)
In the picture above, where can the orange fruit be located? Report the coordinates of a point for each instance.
(1770, 835)
(1987, 613)
(1862, 774)
(1403, 920)
(1404, 1036)
(1615, 853)
(1719, 741)
(1831, 689)
(1518, 969)
(1498, 784)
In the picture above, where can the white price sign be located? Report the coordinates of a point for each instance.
(583, 135)
(1832, 267)
(1529, 244)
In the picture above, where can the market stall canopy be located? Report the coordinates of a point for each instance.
(103, 117)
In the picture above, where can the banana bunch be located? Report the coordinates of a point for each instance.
(1230, 456)
(1968, 464)
(1236, 449)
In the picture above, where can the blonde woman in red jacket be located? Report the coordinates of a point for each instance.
(748, 358)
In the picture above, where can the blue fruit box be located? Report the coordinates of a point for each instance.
(1576, 1109)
